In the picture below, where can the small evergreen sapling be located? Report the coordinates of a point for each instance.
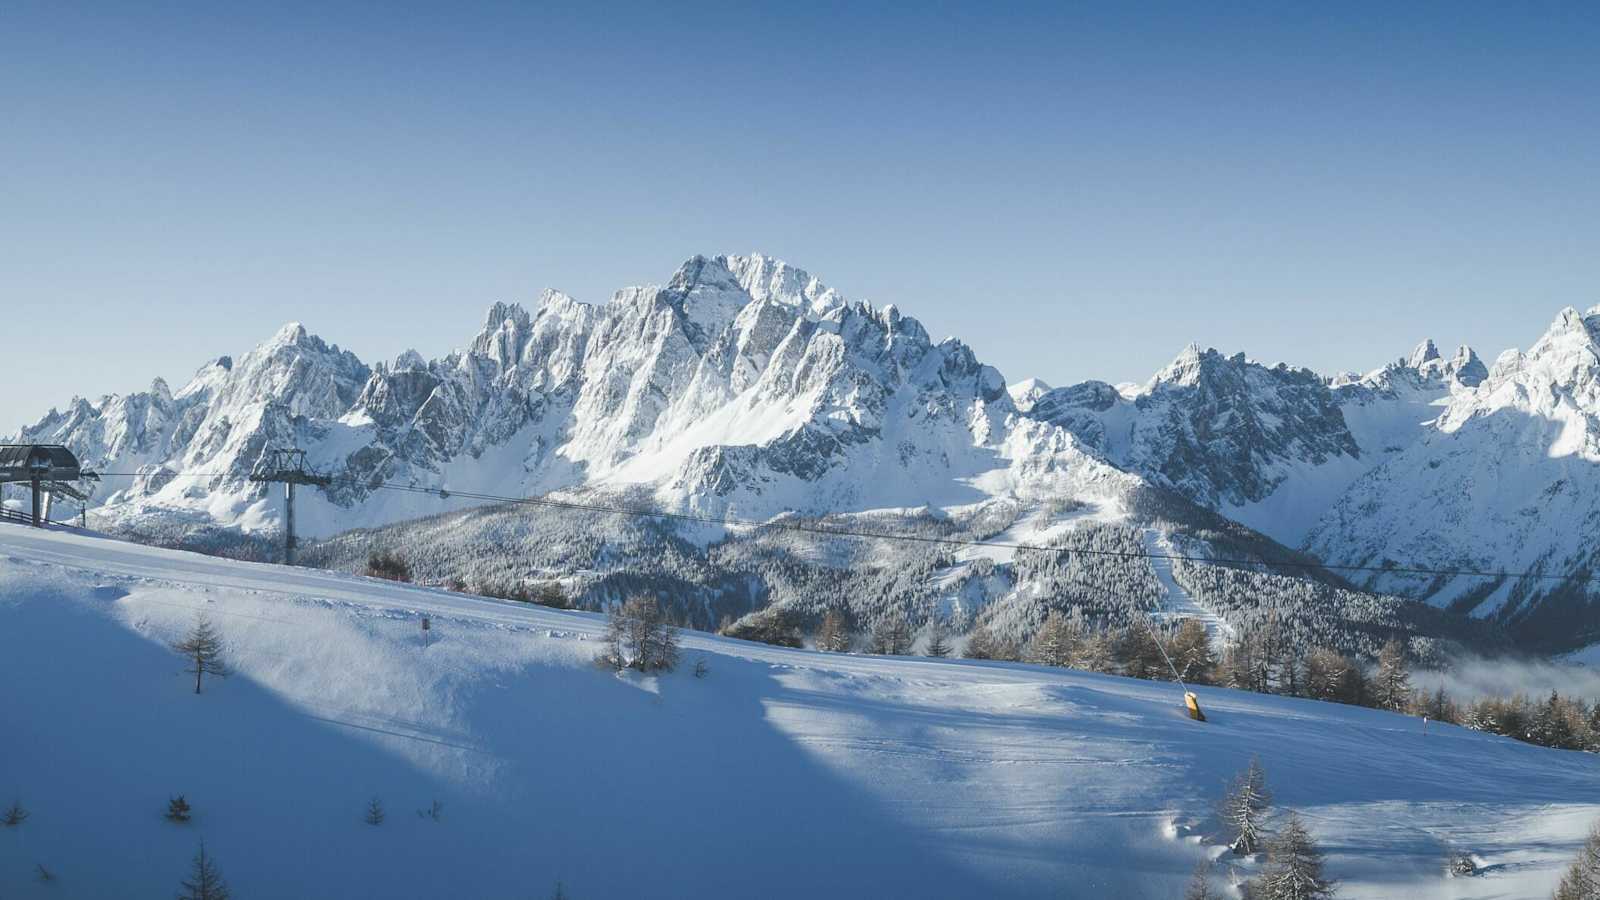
(374, 814)
(1294, 867)
(1244, 807)
(205, 881)
(178, 809)
(203, 648)
(14, 815)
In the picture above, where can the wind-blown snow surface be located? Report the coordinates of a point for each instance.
(780, 774)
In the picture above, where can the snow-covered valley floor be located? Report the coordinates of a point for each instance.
(781, 773)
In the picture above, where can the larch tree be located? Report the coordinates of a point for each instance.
(938, 645)
(203, 648)
(1190, 650)
(1392, 684)
(205, 881)
(638, 636)
(892, 636)
(834, 634)
(1294, 867)
(1244, 807)
(1582, 879)
(1055, 643)
(1199, 887)
(983, 644)
(1138, 651)
(1095, 653)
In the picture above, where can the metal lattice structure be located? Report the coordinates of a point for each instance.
(288, 467)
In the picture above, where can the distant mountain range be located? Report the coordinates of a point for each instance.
(746, 388)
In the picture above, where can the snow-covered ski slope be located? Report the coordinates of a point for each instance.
(781, 773)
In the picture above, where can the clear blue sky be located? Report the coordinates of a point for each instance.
(1075, 192)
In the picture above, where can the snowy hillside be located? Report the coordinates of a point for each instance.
(781, 773)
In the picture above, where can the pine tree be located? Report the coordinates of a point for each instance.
(1582, 880)
(203, 648)
(560, 893)
(1244, 807)
(938, 641)
(205, 881)
(834, 635)
(1393, 683)
(1294, 867)
(375, 813)
(178, 809)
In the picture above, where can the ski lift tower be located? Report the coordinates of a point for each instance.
(49, 469)
(288, 466)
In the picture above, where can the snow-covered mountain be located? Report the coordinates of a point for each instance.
(1269, 447)
(745, 387)
(1506, 478)
(1425, 463)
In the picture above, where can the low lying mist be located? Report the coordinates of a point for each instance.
(1473, 677)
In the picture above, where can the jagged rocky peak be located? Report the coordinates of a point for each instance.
(1424, 369)
(1468, 368)
(1563, 363)
(1027, 392)
(298, 371)
(1185, 368)
(766, 278)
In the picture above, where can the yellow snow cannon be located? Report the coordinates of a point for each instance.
(1193, 702)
